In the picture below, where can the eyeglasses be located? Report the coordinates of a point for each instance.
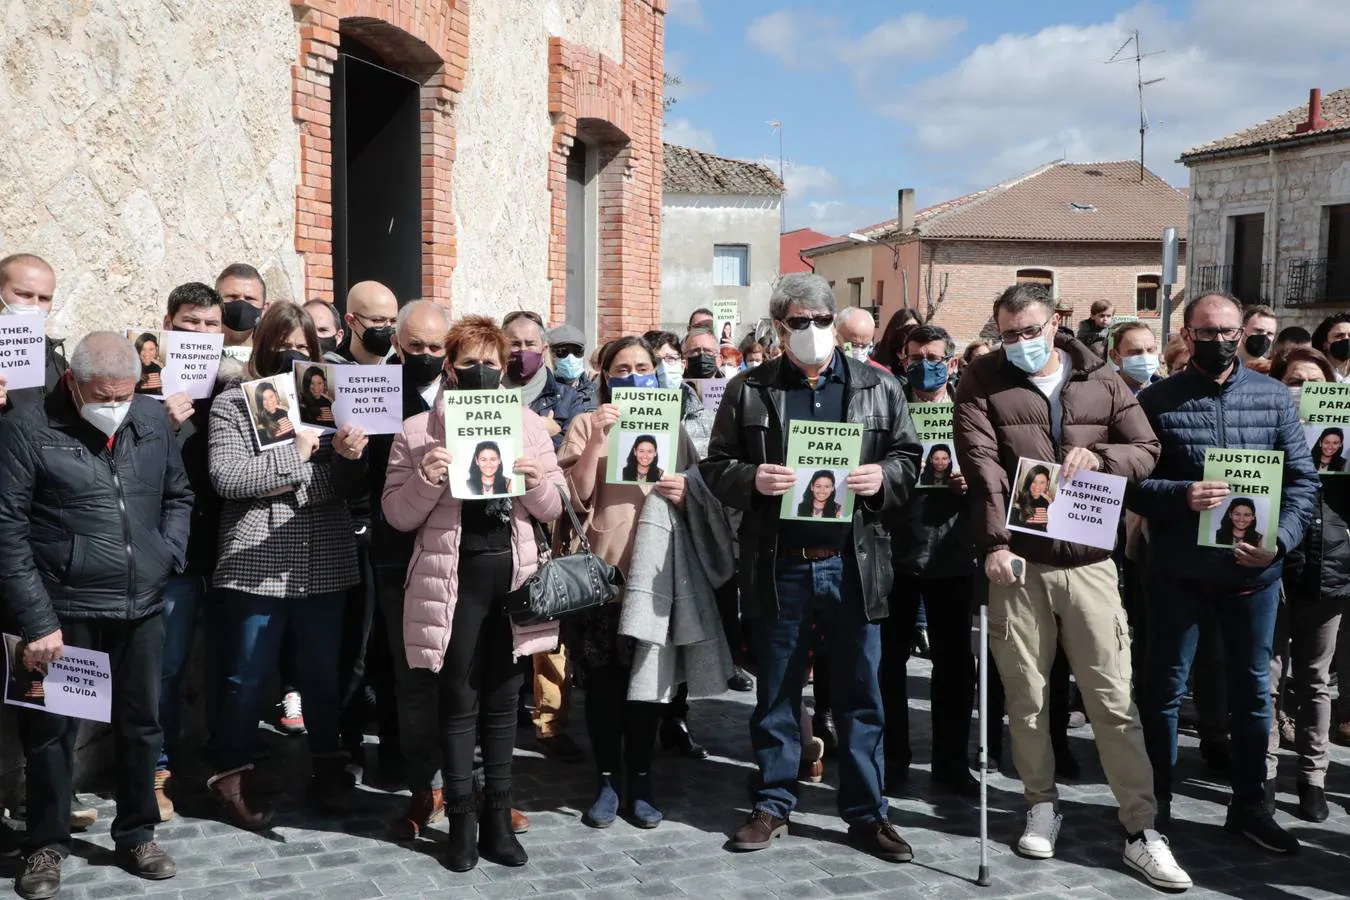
(667, 357)
(1031, 332)
(1215, 334)
(931, 357)
(376, 321)
(801, 323)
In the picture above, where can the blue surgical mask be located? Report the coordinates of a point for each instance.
(569, 368)
(926, 375)
(635, 380)
(1141, 368)
(1028, 355)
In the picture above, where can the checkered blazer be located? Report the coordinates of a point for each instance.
(293, 544)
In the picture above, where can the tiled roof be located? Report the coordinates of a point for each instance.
(690, 171)
(1057, 202)
(1335, 110)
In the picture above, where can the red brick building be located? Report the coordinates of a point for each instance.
(791, 245)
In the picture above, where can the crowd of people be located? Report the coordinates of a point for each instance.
(338, 577)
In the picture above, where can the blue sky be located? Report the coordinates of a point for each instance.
(875, 95)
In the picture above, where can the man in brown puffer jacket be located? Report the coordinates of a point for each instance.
(1046, 397)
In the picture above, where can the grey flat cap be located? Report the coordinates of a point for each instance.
(566, 334)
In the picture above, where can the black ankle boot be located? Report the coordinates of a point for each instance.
(461, 850)
(496, 839)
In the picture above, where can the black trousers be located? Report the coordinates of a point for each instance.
(622, 731)
(135, 651)
(479, 679)
(952, 693)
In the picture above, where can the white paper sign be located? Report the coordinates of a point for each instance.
(1083, 511)
(710, 391)
(79, 684)
(23, 351)
(370, 397)
(190, 363)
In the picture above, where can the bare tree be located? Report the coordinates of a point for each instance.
(934, 303)
(670, 80)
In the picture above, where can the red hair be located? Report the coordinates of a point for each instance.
(473, 333)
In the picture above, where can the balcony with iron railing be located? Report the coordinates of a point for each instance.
(1228, 279)
(1312, 282)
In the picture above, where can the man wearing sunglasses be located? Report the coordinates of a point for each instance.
(794, 574)
(1045, 396)
(1216, 402)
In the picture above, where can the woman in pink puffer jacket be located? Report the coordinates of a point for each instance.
(469, 554)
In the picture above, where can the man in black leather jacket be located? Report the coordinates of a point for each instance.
(95, 517)
(795, 573)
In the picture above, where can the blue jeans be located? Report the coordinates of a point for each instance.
(828, 589)
(1247, 625)
(250, 635)
(183, 596)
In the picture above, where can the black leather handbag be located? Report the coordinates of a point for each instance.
(565, 583)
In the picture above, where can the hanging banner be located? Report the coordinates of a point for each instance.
(1250, 514)
(643, 445)
(483, 432)
(822, 454)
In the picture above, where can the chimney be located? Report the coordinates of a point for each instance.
(906, 210)
(1315, 121)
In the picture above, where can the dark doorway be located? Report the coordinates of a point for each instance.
(1249, 235)
(377, 176)
(578, 238)
(1338, 254)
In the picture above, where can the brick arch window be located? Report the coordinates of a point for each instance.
(1044, 277)
(1147, 290)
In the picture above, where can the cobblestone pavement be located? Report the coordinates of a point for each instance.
(305, 856)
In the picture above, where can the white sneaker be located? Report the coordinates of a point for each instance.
(1038, 841)
(1151, 857)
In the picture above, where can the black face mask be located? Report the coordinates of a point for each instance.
(287, 359)
(1339, 350)
(328, 344)
(701, 366)
(422, 368)
(478, 378)
(240, 315)
(1257, 345)
(1214, 357)
(377, 341)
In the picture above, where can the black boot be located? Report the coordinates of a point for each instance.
(496, 839)
(461, 849)
(330, 789)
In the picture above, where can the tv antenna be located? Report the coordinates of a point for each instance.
(777, 126)
(1138, 58)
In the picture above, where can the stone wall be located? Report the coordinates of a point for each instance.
(146, 144)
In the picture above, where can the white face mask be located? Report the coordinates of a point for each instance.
(106, 417)
(671, 374)
(812, 346)
(17, 309)
(860, 352)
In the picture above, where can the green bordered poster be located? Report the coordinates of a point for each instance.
(1111, 336)
(1325, 412)
(822, 454)
(726, 317)
(1250, 513)
(483, 434)
(933, 421)
(643, 445)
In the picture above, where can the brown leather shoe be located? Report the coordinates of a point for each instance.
(146, 860)
(520, 823)
(812, 768)
(881, 840)
(229, 792)
(41, 877)
(162, 778)
(425, 807)
(759, 831)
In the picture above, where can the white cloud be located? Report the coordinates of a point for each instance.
(803, 179)
(834, 217)
(686, 12)
(801, 39)
(683, 132)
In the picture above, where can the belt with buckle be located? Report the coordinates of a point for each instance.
(811, 554)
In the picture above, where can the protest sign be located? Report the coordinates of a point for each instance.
(483, 432)
(79, 684)
(933, 421)
(315, 382)
(271, 404)
(1085, 510)
(1325, 411)
(710, 391)
(190, 363)
(150, 348)
(726, 316)
(1251, 512)
(369, 397)
(23, 351)
(643, 445)
(822, 454)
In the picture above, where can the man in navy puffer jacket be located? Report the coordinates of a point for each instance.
(1217, 403)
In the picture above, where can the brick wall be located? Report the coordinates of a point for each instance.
(977, 271)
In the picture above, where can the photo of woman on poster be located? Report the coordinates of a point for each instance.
(1031, 505)
(937, 466)
(1329, 451)
(271, 417)
(818, 499)
(24, 685)
(316, 398)
(727, 333)
(147, 345)
(643, 461)
(1238, 524)
(485, 471)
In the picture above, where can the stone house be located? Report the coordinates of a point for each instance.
(1270, 211)
(1088, 231)
(488, 155)
(719, 235)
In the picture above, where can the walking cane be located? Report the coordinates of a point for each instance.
(983, 878)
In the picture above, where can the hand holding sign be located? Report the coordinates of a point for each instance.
(1203, 495)
(530, 469)
(436, 465)
(1252, 557)
(774, 481)
(179, 409)
(1078, 459)
(306, 442)
(42, 651)
(672, 488)
(4, 394)
(607, 415)
(957, 485)
(865, 481)
(350, 442)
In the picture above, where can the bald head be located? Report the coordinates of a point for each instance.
(855, 326)
(27, 281)
(372, 300)
(422, 326)
(372, 311)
